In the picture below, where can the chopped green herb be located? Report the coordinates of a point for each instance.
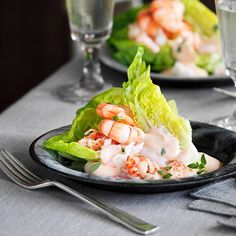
(167, 167)
(94, 166)
(193, 165)
(201, 171)
(203, 160)
(201, 166)
(123, 149)
(167, 176)
(117, 118)
(163, 151)
(161, 172)
(215, 28)
(179, 49)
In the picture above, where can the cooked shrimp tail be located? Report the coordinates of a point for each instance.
(117, 113)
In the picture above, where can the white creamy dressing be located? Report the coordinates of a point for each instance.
(113, 157)
(158, 138)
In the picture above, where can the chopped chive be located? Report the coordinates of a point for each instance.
(215, 28)
(201, 171)
(117, 118)
(163, 151)
(161, 172)
(203, 160)
(179, 49)
(167, 176)
(167, 167)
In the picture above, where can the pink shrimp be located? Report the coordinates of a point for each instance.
(179, 170)
(147, 23)
(94, 140)
(115, 112)
(121, 133)
(169, 15)
(142, 167)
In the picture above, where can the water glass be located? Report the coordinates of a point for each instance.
(90, 24)
(226, 11)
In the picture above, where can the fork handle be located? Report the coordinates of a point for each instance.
(135, 224)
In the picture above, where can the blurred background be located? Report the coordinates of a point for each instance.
(34, 42)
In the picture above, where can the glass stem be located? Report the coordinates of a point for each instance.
(91, 74)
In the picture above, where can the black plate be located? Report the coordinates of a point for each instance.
(172, 81)
(215, 141)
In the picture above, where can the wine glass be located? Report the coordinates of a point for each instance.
(90, 24)
(226, 11)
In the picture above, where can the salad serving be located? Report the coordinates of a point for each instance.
(180, 37)
(133, 132)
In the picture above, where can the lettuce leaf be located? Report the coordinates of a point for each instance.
(124, 50)
(164, 59)
(65, 144)
(201, 17)
(125, 18)
(60, 144)
(149, 105)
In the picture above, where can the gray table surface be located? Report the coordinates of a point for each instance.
(52, 212)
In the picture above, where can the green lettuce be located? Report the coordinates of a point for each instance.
(86, 118)
(209, 62)
(149, 105)
(201, 17)
(71, 150)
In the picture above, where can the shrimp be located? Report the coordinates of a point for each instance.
(141, 37)
(115, 112)
(175, 5)
(146, 23)
(148, 42)
(121, 133)
(94, 140)
(141, 167)
(169, 15)
(169, 21)
(179, 170)
(192, 38)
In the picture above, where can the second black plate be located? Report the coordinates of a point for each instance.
(172, 81)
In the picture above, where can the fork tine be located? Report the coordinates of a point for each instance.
(18, 179)
(19, 166)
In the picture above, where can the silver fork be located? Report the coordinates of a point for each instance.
(17, 172)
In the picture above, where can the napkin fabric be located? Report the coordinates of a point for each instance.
(213, 207)
(231, 222)
(223, 192)
(217, 198)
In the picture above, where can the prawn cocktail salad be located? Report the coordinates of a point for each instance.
(133, 132)
(181, 38)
